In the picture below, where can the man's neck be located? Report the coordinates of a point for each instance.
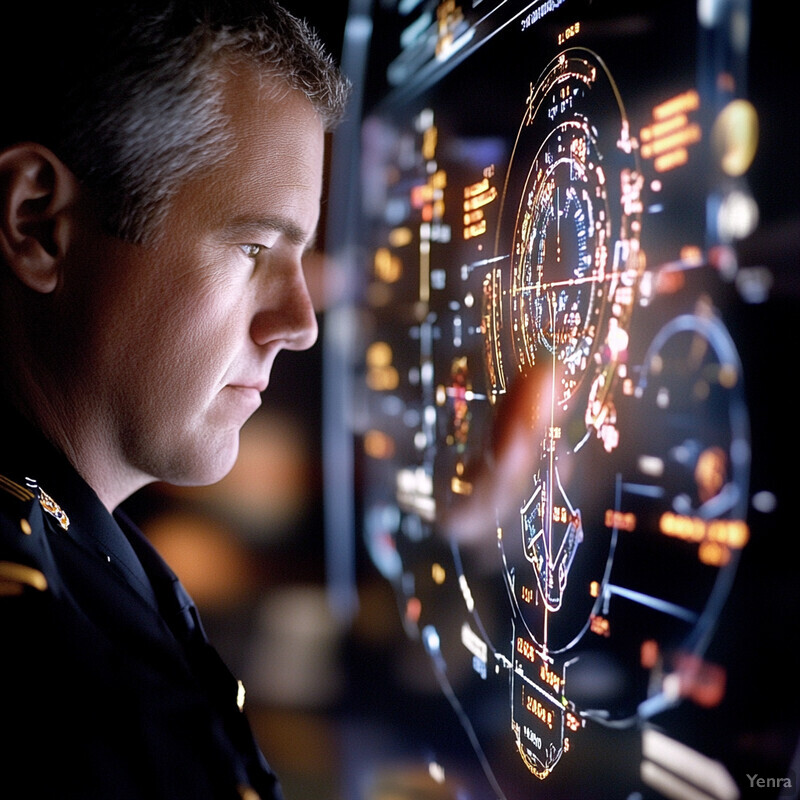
(83, 439)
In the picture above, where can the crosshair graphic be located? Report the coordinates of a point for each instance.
(574, 267)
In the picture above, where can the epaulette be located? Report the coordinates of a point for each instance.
(15, 576)
(22, 493)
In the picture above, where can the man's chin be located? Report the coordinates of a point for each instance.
(206, 467)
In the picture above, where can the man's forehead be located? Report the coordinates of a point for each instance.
(245, 86)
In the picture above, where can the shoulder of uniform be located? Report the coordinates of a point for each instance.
(18, 570)
(15, 495)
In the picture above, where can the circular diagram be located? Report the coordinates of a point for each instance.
(559, 311)
(574, 266)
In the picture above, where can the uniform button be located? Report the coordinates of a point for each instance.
(248, 793)
(26, 527)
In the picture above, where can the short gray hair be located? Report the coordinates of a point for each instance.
(130, 99)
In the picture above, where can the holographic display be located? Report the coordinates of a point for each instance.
(552, 417)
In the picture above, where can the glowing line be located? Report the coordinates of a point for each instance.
(558, 222)
(570, 282)
(655, 603)
(549, 487)
(440, 669)
(643, 489)
(424, 269)
(483, 262)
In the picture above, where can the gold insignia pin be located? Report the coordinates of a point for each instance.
(54, 509)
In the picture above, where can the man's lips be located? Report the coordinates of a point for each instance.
(249, 395)
(256, 385)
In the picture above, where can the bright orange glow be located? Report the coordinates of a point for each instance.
(701, 681)
(400, 237)
(526, 649)
(429, 140)
(621, 521)
(387, 266)
(649, 654)
(413, 609)
(379, 355)
(671, 160)
(688, 101)
(381, 375)
(668, 139)
(459, 486)
(711, 472)
(476, 188)
(549, 677)
(681, 138)
(660, 129)
(670, 281)
(691, 254)
(213, 566)
(735, 137)
(482, 199)
(600, 625)
(714, 554)
(420, 195)
(378, 444)
(715, 537)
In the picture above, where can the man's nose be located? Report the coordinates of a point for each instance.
(286, 315)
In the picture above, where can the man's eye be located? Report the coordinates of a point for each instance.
(252, 250)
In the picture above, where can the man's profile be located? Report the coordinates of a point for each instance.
(160, 175)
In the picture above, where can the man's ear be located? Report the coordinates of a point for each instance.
(38, 193)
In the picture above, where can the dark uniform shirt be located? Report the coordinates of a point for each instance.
(109, 688)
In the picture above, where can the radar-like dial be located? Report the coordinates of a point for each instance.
(573, 274)
(558, 289)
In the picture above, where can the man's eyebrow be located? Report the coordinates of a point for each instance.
(250, 226)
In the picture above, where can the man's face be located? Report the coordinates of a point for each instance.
(182, 334)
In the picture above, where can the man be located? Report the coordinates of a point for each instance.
(160, 175)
